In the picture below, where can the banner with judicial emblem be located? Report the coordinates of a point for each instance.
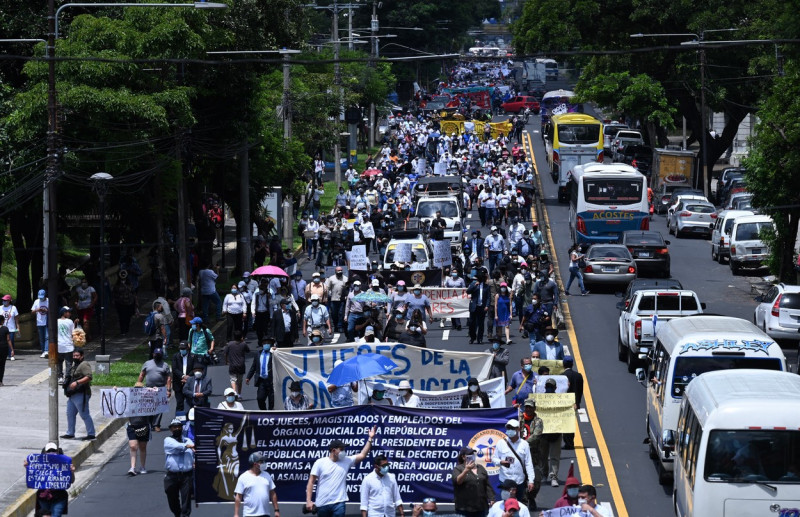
(421, 444)
(425, 368)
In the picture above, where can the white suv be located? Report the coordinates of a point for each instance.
(778, 312)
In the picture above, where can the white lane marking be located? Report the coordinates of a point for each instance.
(594, 459)
(335, 338)
(566, 350)
(582, 416)
(469, 215)
(36, 379)
(536, 131)
(446, 335)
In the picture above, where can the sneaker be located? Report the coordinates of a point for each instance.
(68, 436)
(584, 293)
(88, 438)
(142, 471)
(13, 358)
(44, 354)
(554, 482)
(131, 472)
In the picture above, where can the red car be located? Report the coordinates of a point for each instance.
(521, 102)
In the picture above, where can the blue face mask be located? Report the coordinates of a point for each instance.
(184, 352)
(231, 399)
(384, 470)
(528, 367)
(572, 492)
(197, 327)
(234, 291)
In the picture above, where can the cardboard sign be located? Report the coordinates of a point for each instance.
(556, 411)
(357, 258)
(128, 402)
(402, 253)
(562, 383)
(53, 471)
(448, 302)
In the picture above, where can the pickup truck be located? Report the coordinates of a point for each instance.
(638, 322)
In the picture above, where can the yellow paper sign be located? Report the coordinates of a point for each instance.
(556, 411)
(556, 367)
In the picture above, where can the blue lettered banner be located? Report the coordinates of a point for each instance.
(421, 444)
(53, 471)
(426, 369)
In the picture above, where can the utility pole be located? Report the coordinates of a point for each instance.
(703, 131)
(373, 27)
(337, 81)
(183, 247)
(244, 249)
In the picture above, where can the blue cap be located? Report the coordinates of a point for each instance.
(196, 319)
(42, 294)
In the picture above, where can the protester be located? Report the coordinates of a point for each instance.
(503, 301)
(255, 489)
(406, 397)
(296, 400)
(553, 443)
(197, 390)
(179, 464)
(6, 348)
(522, 382)
(329, 473)
(234, 308)
(515, 460)
(500, 358)
(378, 396)
(85, 301)
(77, 388)
(185, 309)
(534, 427)
(342, 396)
(40, 309)
(230, 402)
(587, 502)
(505, 506)
(316, 317)
(261, 368)
(380, 495)
(65, 345)
(472, 492)
(156, 374)
(336, 286)
(475, 398)
(201, 341)
(234, 354)
(570, 495)
(52, 502)
(285, 328)
(550, 348)
(138, 431)
(182, 366)
(207, 278)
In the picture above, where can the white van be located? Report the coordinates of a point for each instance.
(721, 234)
(685, 348)
(738, 445)
(747, 248)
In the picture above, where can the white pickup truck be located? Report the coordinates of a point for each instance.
(638, 322)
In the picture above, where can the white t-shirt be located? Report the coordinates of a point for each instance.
(498, 509)
(255, 493)
(84, 296)
(413, 401)
(10, 313)
(65, 328)
(41, 319)
(332, 479)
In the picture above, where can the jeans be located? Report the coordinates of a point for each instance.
(494, 258)
(337, 315)
(491, 215)
(331, 510)
(575, 272)
(352, 319)
(78, 404)
(52, 508)
(43, 344)
(207, 299)
(64, 358)
(311, 247)
(178, 487)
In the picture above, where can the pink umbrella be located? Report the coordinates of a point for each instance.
(269, 271)
(371, 172)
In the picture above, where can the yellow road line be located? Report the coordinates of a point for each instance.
(616, 493)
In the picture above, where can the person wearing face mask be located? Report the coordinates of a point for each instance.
(533, 429)
(336, 286)
(395, 326)
(500, 357)
(353, 311)
(296, 400)
(380, 495)
(502, 312)
(285, 327)
(85, 301)
(495, 244)
(475, 398)
(156, 373)
(198, 388)
(77, 388)
(418, 301)
(262, 369)
(549, 348)
(522, 382)
(233, 307)
(201, 341)
(547, 290)
(378, 396)
(235, 352)
(587, 502)
(535, 319)
(406, 397)
(255, 489)
(57, 501)
(182, 366)
(316, 318)
(399, 295)
(230, 402)
(570, 495)
(179, 465)
(472, 492)
(479, 304)
(515, 460)
(453, 281)
(508, 505)
(317, 286)
(416, 329)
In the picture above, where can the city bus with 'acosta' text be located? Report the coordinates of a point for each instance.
(606, 200)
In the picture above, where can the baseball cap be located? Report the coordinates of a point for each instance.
(7, 297)
(246, 274)
(41, 294)
(378, 386)
(314, 297)
(196, 320)
(550, 382)
(158, 351)
(51, 447)
(375, 282)
(257, 457)
(530, 402)
(494, 228)
(315, 274)
(357, 282)
(465, 450)
(183, 346)
(176, 422)
(512, 423)
(229, 391)
(511, 504)
(369, 331)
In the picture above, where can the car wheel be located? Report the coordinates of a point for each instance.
(720, 258)
(734, 267)
(652, 452)
(664, 477)
(633, 362)
(669, 228)
(622, 350)
(714, 256)
(678, 232)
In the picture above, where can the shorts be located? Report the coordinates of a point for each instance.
(85, 314)
(132, 434)
(237, 379)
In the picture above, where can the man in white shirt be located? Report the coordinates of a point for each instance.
(587, 502)
(515, 460)
(508, 493)
(380, 496)
(329, 473)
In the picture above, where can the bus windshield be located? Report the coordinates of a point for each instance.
(611, 191)
(743, 456)
(687, 368)
(578, 133)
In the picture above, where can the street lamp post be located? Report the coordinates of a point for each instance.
(100, 186)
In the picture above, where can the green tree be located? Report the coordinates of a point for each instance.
(773, 170)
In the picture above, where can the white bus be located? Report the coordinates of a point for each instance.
(606, 200)
(684, 349)
(738, 446)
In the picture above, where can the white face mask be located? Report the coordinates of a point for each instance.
(582, 501)
(473, 388)
(295, 394)
(550, 337)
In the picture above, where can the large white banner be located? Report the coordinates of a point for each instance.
(425, 368)
(128, 402)
(448, 302)
(445, 399)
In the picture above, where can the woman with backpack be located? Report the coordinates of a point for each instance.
(201, 342)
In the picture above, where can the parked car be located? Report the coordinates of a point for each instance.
(639, 284)
(649, 250)
(608, 264)
(735, 197)
(730, 179)
(519, 103)
(677, 200)
(693, 216)
(721, 234)
(640, 157)
(622, 139)
(747, 248)
(609, 132)
(778, 312)
(723, 177)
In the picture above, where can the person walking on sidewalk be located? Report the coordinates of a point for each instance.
(85, 302)
(156, 374)
(65, 344)
(157, 333)
(179, 464)
(6, 347)
(11, 320)
(234, 353)
(201, 341)
(77, 387)
(185, 309)
(40, 308)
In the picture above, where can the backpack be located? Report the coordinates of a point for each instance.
(150, 324)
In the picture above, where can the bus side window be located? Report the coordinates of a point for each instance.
(693, 448)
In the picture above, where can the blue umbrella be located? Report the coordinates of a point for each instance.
(373, 297)
(360, 367)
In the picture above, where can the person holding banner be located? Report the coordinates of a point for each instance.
(473, 494)
(138, 431)
(380, 495)
(156, 373)
(475, 398)
(509, 503)
(52, 502)
(406, 397)
(515, 460)
(453, 281)
(378, 396)
(297, 401)
(329, 474)
(418, 301)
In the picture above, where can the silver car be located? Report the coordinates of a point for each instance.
(609, 264)
(693, 217)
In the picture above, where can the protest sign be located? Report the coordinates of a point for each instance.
(556, 411)
(448, 302)
(562, 383)
(357, 257)
(445, 399)
(426, 277)
(331, 271)
(556, 367)
(440, 168)
(129, 402)
(368, 230)
(53, 471)
(442, 256)
(421, 444)
(564, 511)
(424, 368)
(402, 252)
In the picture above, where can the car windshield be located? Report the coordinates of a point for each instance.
(603, 191)
(701, 209)
(611, 130)
(578, 133)
(753, 455)
(600, 252)
(644, 239)
(429, 209)
(418, 254)
(751, 231)
(687, 368)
